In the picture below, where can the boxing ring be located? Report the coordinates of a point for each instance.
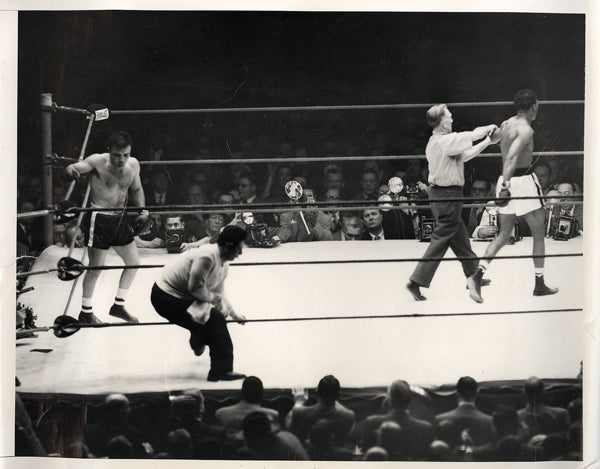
(512, 335)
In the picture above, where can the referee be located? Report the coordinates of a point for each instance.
(446, 153)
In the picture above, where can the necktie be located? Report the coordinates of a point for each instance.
(473, 219)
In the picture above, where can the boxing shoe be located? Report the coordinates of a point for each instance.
(229, 376)
(541, 289)
(88, 318)
(415, 291)
(197, 344)
(119, 311)
(474, 286)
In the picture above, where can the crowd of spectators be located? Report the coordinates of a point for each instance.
(327, 182)
(405, 427)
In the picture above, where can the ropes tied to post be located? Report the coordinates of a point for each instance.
(65, 326)
(69, 268)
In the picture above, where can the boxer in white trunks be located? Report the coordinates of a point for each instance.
(515, 137)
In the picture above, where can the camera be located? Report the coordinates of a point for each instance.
(426, 227)
(412, 190)
(563, 227)
(173, 240)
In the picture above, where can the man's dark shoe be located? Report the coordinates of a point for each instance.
(415, 291)
(120, 312)
(197, 344)
(541, 289)
(474, 286)
(229, 376)
(88, 318)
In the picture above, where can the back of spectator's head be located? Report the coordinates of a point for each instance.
(256, 425)
(439, 451)
(506, 421)
(119, 447)
(466, 388)
(575, 436)
(575, 409)
(328, 389)
(179, 444)
(183, 407)
(400, 394)
(116, 405)
(376, 453)
(509, 449)
(534, 389)
(252, 390)
(449, 432)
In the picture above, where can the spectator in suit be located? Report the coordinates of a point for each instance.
(333, 195)
(567, 206)
(476, 217)
(418, 433)
(369, 183)
(390, 437)
(544, 176)
(351, 225)
(539, 417)
(506, 426)
(113, 422)
(195, 227)
(393, 224)
(466, 416)
(160, 191)
(263, 443)
(232, 417)
(302, 417)
(333, 178)
(30, 240)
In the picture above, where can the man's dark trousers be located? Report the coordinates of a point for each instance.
(214, 333)
(450, 232)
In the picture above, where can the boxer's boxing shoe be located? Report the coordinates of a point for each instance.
(119, 311)
(229, 376)
(197, 344)
(415, 291)
(541, 289)
(474, 286)
(88, 318)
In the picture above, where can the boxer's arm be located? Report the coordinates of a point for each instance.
(74, 170)
(518, 144)
(135, 189)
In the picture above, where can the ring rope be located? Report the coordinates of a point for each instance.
(75, 326)
(316, 159)
(274, 207)
(328, 205)
(323, 262)
(81, 154)
(331, 108)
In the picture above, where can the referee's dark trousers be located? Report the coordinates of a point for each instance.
(214, 333)
(450, 232)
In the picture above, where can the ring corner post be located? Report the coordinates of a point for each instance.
(46, 130)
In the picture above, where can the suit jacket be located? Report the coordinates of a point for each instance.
(300, 419)
(471, 226)
(467, 416)
(544, 419)
(418, 434)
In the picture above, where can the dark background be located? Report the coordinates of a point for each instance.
(141, 60)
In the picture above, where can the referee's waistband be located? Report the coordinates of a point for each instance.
(457, 188)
